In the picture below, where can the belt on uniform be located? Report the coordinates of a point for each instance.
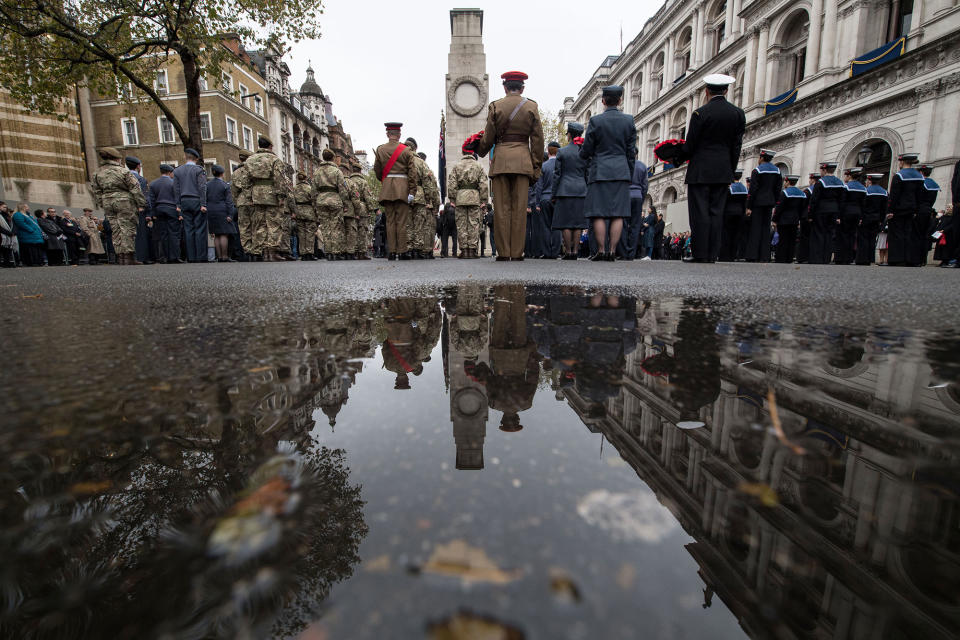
(514, 137)
(396, 175)
(326, 189)
(260, 181)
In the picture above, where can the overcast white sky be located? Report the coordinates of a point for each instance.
(381, 61)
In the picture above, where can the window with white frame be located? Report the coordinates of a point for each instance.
(233, 167)
(283, 122)
(258, 105)
(247, 138)
(226, 83)
(286, 151)
(166, 130)
(129, 127)
(160, 84)
(243, 91)
(206, 126)
(202, 83)
(208, 166)
(231, 130)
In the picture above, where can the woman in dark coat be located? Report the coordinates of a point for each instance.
(569, 191)
(610, 151)
(56, 249)
(220, 213)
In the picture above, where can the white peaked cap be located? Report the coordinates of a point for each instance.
(719, 80)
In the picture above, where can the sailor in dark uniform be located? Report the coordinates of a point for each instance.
(791, 208)
(902, 205)
(851, 212)
(873, 212)
(926, 212)
(825, 201)
(765, 182)
(714, 139)
(733, 213)
(803, 244)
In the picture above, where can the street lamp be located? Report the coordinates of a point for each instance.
(863, 156)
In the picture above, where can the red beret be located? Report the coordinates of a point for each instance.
(514, 75)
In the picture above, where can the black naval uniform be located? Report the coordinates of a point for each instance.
(926, 212)
(825, 201)
(714, 139)
(733, 213)
(851, 212)
(803, 244)
(874, 211)
(765, 184)
(791, 208)
(903, 203)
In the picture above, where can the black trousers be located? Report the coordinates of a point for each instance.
(899, 232)
(195, 229)
(847, 233)
(167, 226)
(787, 246)
(448, 231)
(73, 250)
(483, 239)
(867, 242)
(632, 228)
(705, 204)
(803, 244)
(920, 238)
(821, 238)
(730, 238)
(758, 244)
(144, 244)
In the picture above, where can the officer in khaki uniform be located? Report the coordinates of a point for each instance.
(513, 125)
(240, 184)
(269, 190)
(331, 199)
(468, 192)
(397, 173)
(117, 191)
(306, 219)
(365, 218)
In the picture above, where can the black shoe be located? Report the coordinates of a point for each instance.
(392, 256)
(502, 259)
(597, 257)
(405, 255)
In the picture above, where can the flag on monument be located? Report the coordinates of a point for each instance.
(442, 163)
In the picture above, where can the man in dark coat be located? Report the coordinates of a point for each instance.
(145, 250)
(791, 207)
(825, 202)
(765, 186)
(543, 189)
(714, 139)
(734, 211)
(448, 229)
(162, 205)
(190, 187)
(902, 205)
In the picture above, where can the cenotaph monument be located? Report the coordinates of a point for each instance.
(468, 86)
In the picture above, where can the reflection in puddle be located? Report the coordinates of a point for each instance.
(732, 480)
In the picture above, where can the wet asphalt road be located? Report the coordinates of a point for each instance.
(248, 294)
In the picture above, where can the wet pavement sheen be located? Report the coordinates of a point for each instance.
(475, 461)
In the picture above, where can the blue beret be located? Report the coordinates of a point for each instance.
(166, 168)
(217, 169)
(190, 151)
(575, 128)
(613, 91)
(134, 160)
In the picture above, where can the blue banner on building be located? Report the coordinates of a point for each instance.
(871, 59)
(781, 101)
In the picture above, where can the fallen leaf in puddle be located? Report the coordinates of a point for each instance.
(258, 369)
(762, 492)
(470, 626)
(626, 576)
(86, 488)
(33, 297)
(471, 564)
(271, 498)
(379, 564)
(163, 386)
(563, 587)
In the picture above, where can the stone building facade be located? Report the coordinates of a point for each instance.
(852, 81)
(41, 157)
(233, 109)
(467, 82)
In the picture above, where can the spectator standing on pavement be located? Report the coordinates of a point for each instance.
(29, 236)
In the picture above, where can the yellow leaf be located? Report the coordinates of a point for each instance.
(762, 492)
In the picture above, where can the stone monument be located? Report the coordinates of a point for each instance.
(468, 86)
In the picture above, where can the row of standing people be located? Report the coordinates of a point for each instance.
(45, 237)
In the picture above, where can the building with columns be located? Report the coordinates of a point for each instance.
(853, 81)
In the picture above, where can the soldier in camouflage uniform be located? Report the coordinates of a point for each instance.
(432, 196)
(118, 193)
(331, 198)
(469, 326)
(269, 190)
(419, 216)
(306, 216)
(353, 210)
(468, 190)
(365, 219)
(240, 183)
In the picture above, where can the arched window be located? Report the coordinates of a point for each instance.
(738, 89)
(669, 197)
(684, 46)
(875, 155)
(316, 147)
(717, 19)
(657, 79)
(899, 18)
(638, 93)
(679, 126)
(654, 133)
(793, 52)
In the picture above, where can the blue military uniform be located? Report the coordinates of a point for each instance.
(851, 210)
(166, 220)
(926, 212)
(546, 240)
(825, 200)
(190, 186)
(734, 211)
(765, 182)
(873, 212)
(144, 250)
(790, 209)
(903, 202)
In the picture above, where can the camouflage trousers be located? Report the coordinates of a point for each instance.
(277, 223)
(469, 219)
(416, 227)
(252, 228)
(123, 218)
(306, 233)
(364, 234)
(331, 228)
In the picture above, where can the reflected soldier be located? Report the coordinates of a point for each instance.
(118, 193)
(399, 348)
(469, 324)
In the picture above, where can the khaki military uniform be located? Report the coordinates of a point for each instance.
(401, 181)
(468, 191)
(366, 220)
(268, 191)
(427, 196)
(306, 220)
(249, 220)
(331, 199)
(118, 193)
(513, 165)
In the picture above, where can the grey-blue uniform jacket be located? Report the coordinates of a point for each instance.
(162, 195)
(610, 146)
(190, 180)
(544, 186)
(569, 173)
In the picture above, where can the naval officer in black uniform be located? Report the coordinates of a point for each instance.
(714, 139)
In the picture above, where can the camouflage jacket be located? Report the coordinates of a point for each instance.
(113, 183)
(427, 191)
(269, 184)
(303, 199)
(357, 182)
(467, 183)
(330, 190)
(240, 183)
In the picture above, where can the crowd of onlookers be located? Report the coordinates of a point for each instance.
(44, 237)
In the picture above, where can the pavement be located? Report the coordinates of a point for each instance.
(251, 293)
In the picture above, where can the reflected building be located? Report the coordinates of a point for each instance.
(811, 496)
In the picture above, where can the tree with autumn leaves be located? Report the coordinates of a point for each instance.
(47, 47)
